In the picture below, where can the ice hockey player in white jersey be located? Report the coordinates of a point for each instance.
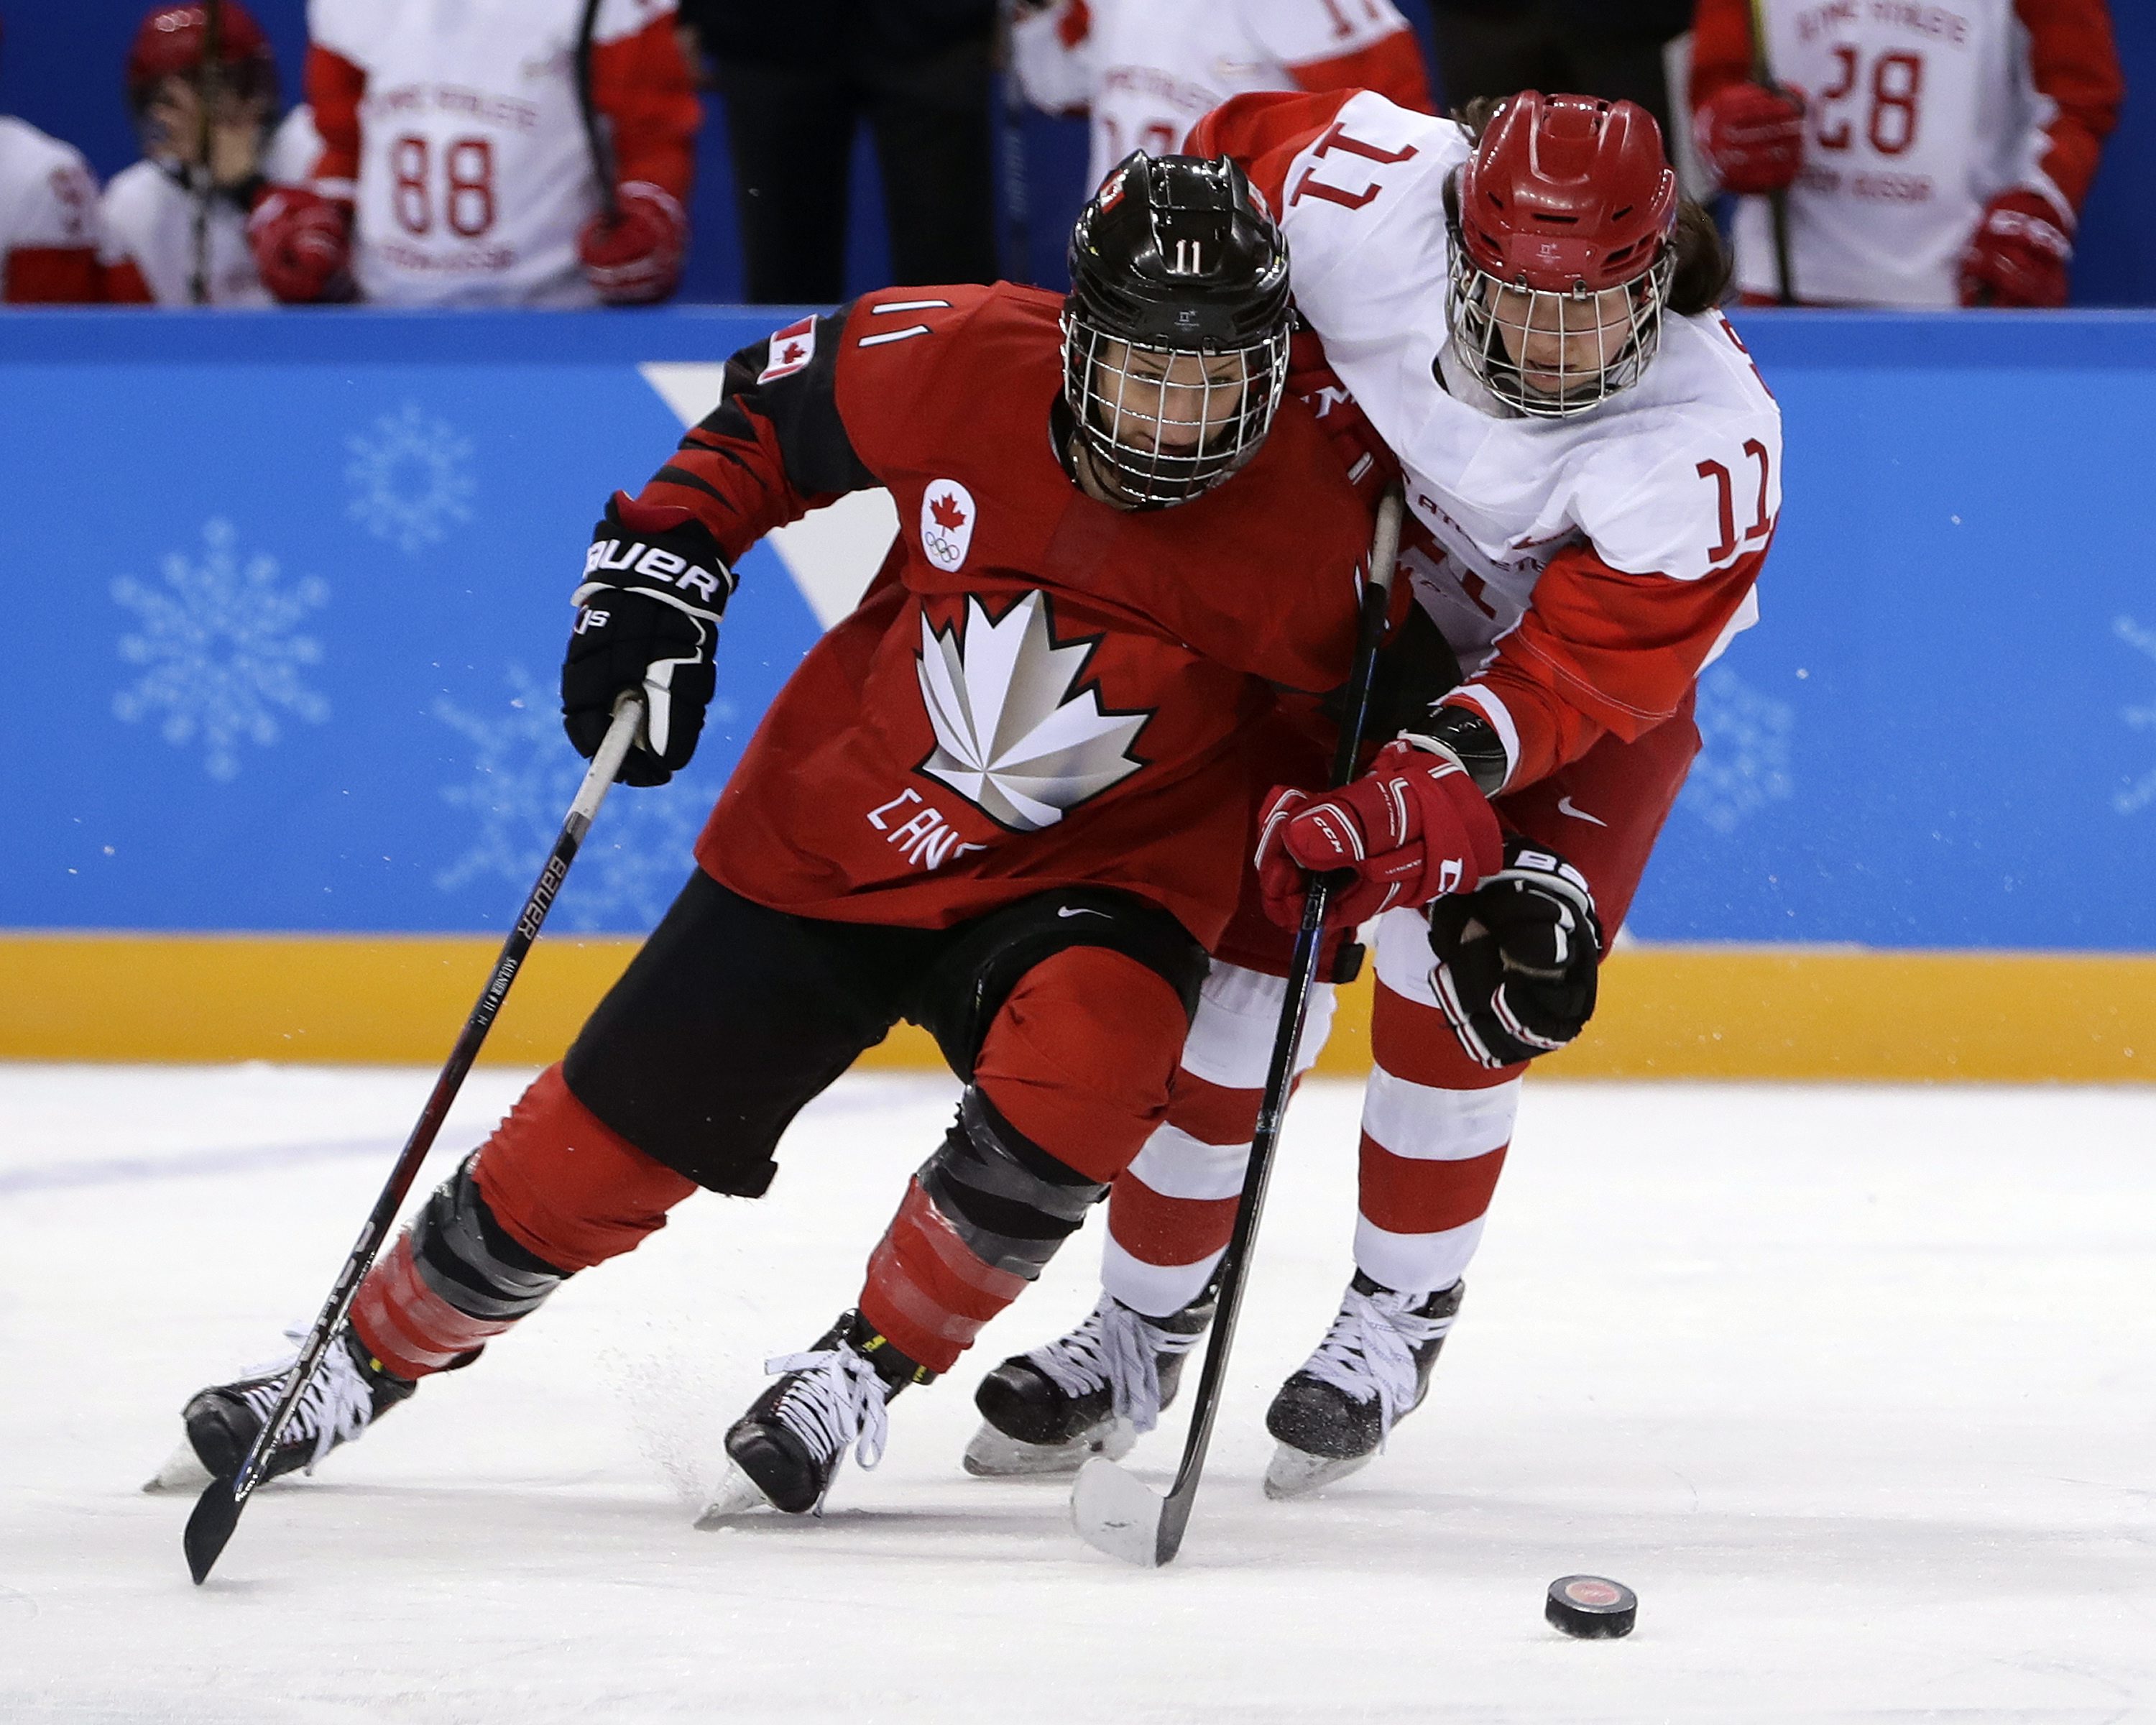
(175, 233)
(1931, 155)
(456, 169)
(1145, 71)
(1521, 310)
(47, 219)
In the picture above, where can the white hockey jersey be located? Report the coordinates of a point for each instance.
(1917, 115)
(1582, 568)
(149, 221)
(48, 201)
(1145, 69)
(474, 176)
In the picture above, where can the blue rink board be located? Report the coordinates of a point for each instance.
(1942, 735)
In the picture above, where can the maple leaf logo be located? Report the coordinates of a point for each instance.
(1010, 737)
(793, 352)
(948, 516)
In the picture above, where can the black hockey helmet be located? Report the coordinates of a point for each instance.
(1175, 256)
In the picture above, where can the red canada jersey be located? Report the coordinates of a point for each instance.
(1039, 691)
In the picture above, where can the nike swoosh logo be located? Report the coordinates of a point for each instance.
(1065, 910)
(1564, 807)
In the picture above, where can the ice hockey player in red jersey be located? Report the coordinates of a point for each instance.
(47, 219)
(1931, 154)
(455, 166)
(1143, 75)
(1524, 312)
(175, 229)
(1008, 798)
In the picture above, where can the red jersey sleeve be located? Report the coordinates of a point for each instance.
(52, 275)
(1721, 48)
(334, 88)
(1600, 651)
(2073, 62)
(641, 84)
(1265, 131)
(124, 285)
(1392, 67)
(775, 447)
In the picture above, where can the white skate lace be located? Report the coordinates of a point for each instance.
(1118, 1347)
(335, 1406)
(1368, 1351)
(837, 1400)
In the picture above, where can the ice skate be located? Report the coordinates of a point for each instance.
(786, 1449)
(1371, 1370)
(1094, 1392)
(347, 1394)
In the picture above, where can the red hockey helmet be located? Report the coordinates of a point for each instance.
(173, 42)
(1562, 244)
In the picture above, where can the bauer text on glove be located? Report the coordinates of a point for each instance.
(647, 622)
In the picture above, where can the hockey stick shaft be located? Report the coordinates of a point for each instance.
(208, 87)
(1279, 1074)
(1777, 202)
(1018, 225)
(216, 1512)
(595, 140)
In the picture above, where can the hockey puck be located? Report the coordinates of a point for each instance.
(1592, 1608)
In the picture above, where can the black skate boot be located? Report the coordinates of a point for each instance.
(788, 1447)
(1370, 1371)
(1094, 1392)
(348, 1392)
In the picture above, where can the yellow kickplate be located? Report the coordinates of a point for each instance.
(1666, 1012)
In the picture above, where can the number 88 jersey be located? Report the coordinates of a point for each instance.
(453, 125)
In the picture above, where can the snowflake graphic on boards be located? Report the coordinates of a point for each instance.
(411, 478)
(1011, 738)
(221, 650)
(2142, 792)
(524, 774)
(1743, 762)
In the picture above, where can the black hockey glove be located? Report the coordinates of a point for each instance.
(647, 620)
(1516, 958)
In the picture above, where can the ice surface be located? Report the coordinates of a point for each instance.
(1857, 1388)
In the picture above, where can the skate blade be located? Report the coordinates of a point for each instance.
(737, 1498)
(1295, 1473)
(183, 1472)
(994, 1455)
(1118, 1513)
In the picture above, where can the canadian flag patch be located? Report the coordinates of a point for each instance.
(791, 348)
(946, 523)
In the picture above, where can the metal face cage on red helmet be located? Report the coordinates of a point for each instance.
(1562, 224)
(174, 41)
(1175, 332)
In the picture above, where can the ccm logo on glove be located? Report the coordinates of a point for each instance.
(1412, 828)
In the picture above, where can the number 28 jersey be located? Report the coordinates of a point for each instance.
(1917, 115)
(454, 126)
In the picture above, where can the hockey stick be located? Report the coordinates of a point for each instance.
(206, 93)
(1018, 229)
(216, 1511)
(587, 105)
(1115, 1511)
(1777, 202)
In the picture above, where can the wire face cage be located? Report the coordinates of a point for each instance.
(1169, 423)
(1510, 336)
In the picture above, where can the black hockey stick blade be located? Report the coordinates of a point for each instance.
(1113, 1510)
(216, 1514)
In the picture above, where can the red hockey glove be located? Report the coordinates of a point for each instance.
(636, 258)
(1752, 137)
(2018, 255)
(1412, 828)
(302, 244)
